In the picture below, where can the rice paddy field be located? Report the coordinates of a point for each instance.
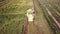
(13, 16)
(53, 7)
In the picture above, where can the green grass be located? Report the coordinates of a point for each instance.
(12, 16)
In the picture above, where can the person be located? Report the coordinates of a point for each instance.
(30, 14)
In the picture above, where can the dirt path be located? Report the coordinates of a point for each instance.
(31, 28)
(40, 25)
(40, 19)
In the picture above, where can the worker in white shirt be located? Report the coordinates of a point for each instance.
(30, 15)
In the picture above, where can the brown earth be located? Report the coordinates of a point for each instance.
(40, 25)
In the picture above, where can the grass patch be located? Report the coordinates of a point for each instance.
(12, 16)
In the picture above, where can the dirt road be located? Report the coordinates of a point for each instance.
(40, 19)
(40, 25)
